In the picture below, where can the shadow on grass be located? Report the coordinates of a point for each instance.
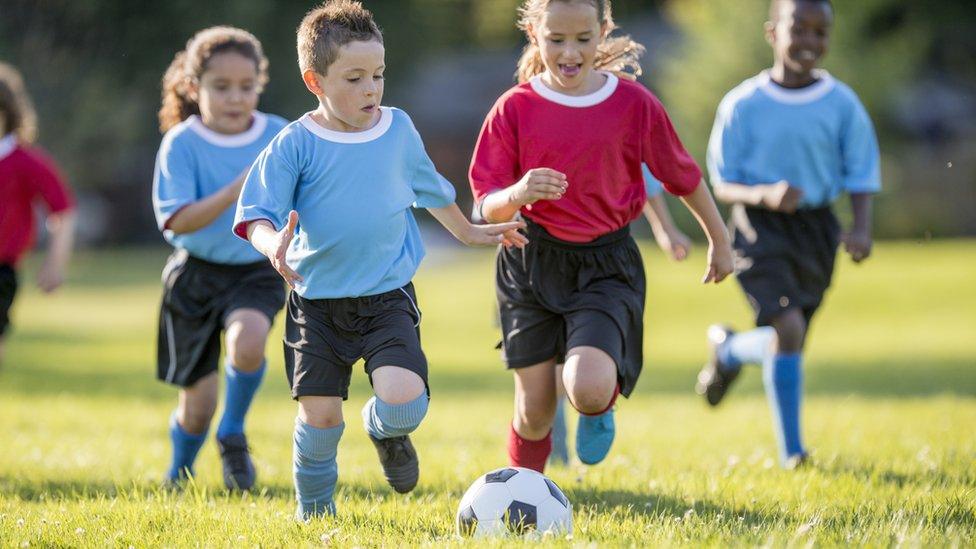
(661, 507)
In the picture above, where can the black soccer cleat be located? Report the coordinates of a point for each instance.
(239, 471)
(399, 460)
(716, 377)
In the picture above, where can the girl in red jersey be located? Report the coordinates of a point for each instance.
(565, 149)
(27, 176)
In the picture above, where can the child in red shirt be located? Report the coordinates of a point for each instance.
(27, 175)
(565, 149)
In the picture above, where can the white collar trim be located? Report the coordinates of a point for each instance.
(365, 136)
(802, 96)
(578, 101)
(7, 145)
(242, 139)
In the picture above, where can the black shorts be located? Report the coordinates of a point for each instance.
(198, 296)
(784, 261)
(325, 337)
(8, 289)
(555, 295)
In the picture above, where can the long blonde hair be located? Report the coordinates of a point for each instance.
(618, 54)
(20, 118)
(189, 64)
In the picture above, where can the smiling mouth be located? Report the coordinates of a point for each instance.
(806, 55)
(570, 69)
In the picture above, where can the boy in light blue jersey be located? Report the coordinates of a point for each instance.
(214, 284)
(785, 145)
(328, 202)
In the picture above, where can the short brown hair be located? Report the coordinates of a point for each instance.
(330, 26)
(16, 105)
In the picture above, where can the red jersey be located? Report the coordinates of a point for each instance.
(26, 176)
(599, 141)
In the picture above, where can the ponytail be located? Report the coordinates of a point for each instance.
(177, 105)
(619, 54)
(20, 118)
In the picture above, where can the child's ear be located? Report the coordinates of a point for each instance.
(769, 30)
(530, 34)
(311, 79)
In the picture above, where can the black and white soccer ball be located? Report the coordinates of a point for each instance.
(513, 500)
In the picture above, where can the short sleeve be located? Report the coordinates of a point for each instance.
(174, 183)
(269, 188)
(495, 165)
(432, 189)
(651, 184)
(727, 146)
(663, 153)
(49, 185)
(859, 149)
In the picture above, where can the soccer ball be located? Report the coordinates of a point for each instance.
(513, 500)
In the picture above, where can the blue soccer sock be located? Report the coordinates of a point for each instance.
(315, 468)
(783, 378)
(750, 347)
(384, 420)
(186, 446)
(241, 387)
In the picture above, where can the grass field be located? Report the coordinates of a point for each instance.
(890, 414)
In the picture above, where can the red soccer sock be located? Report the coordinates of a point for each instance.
(613, 400)
(531, 454)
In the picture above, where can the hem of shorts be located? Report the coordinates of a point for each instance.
(515, 364)
(189, 383)
(319, 390)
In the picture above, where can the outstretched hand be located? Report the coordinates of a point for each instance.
(506, 234)
(282, 241)
(857, 244)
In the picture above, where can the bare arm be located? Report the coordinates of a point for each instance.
(203, 212)
(719, 250)
(537, 184)
(478, 235)
(274, 244)
(61, 227)
(668, 237)
(779, 196)
(858, 241)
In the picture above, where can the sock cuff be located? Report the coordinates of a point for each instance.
(400, 416)
(317, 442)
(787, 360)
(175, 426)
(230, 370)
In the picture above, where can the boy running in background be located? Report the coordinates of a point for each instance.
(329, 203)
(213, 282)
(27, 177)
(786, 143)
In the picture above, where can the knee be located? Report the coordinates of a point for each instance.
(591, 400)
(791, 329)
(245, 350)
(394, 385)
(321, 415)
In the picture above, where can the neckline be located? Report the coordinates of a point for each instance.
(242, 139)
(365, 136)
(7, 145)
(800, 96)
(578, 101)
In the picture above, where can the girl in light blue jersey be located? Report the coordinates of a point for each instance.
(214, 284)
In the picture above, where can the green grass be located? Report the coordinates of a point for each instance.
(890, 414)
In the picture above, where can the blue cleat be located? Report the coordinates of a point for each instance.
(594, 436)
(560, 449)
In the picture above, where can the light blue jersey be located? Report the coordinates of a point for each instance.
(195, 162)
(353, 192)
(818, 138)
(651, 184)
